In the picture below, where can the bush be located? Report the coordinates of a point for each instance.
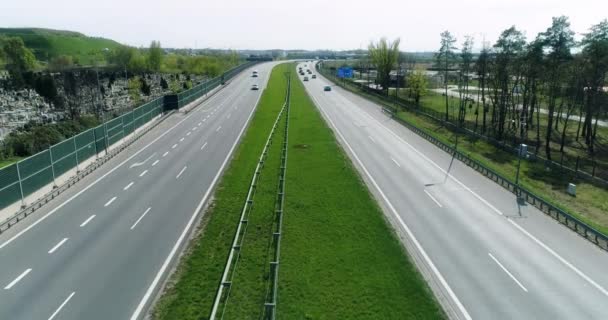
(33, 137)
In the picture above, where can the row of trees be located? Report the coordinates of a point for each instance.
(525, 86)
(154, 59)
(523, 91)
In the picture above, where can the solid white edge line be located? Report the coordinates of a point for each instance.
(141, 217)
(109, 202)
(143, 173)
(181, 238)
(204, 145)
(62, 305)
(58, 245)
(128, 186)
(21, 276)
(433, 198)
(395, 161)
(560, 258)
(425, 256)
(7, 242)
(87, 221)
(537, 241)
(507, 272)
(180, 173)
(155, 162)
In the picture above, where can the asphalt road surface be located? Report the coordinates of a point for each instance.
(101, 250)
(486, 255)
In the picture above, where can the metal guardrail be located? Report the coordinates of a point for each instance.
(101, 138)
(31, 208)
(19, 180)
(225, 285)
(563, 217)
(270, 306)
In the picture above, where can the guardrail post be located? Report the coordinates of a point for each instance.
(52, 167)
(95, 144)
(20, 186)
(76, 154)
(105, 131)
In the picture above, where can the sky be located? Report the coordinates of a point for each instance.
(287, 24)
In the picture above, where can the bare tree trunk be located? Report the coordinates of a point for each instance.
(563, 140)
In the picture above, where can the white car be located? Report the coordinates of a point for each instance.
(255, 87)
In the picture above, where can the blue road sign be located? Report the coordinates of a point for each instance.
(345, 72)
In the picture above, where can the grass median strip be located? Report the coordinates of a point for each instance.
(252, 275)
(191, 290)
(339, 257)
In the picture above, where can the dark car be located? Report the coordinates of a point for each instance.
(327, 88)
(314, 76)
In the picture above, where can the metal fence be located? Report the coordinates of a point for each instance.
(25, 177)
(19, 180)
(186, 97)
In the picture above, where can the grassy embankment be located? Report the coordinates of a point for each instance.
(339, 259)
(47, 43)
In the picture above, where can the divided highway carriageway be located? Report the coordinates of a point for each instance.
(102, 250)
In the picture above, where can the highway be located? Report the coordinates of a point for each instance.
(484, 254)
(103, 249)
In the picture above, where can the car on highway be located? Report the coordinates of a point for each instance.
(327, 88)
(255, 87)
(314, 76)
(305, 78)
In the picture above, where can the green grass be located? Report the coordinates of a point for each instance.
(251, 278)
(47, 44)
(340, 259)
(589, 205)
(192, 288)
(9, 161)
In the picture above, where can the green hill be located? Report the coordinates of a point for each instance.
(47, 43)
